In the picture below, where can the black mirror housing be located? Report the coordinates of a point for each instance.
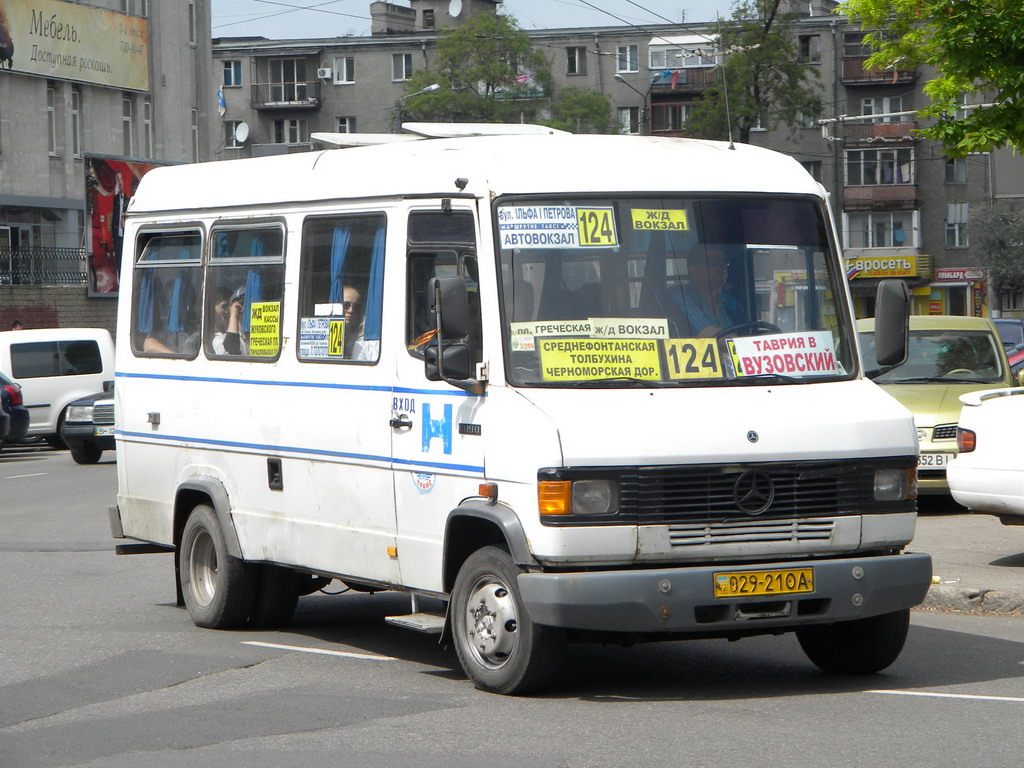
(457, 362)
(449, 297)
(892, 320)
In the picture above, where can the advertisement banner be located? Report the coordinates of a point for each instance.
(109, 185)
(881, 266)
(68, 41)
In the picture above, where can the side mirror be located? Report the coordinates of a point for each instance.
(892, 320)
(449, 301)
(456, 362)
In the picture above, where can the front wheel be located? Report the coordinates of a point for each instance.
(858, 647)
(86, 453)
(219, 589)
(498, 645)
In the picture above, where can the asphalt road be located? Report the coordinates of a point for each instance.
(98, 668)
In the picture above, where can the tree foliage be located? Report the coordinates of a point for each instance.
(977, 49)
(1000, 233)
(581, 110)
(767, 85)
(488, 71)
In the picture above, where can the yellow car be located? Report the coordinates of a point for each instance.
(947, 356)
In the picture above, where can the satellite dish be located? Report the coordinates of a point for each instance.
(454, 8)
(241, 132)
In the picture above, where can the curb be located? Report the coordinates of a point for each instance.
(942, 597)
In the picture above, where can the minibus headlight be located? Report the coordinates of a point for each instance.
(79, 413)
(594, 497)
(895, 484)
(577, 497)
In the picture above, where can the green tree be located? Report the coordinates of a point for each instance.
(581, 110)
(977, 49)
(488, 71)
(999, 231)
(766, 83)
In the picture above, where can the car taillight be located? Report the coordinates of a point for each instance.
(966, 440)
(15, 392)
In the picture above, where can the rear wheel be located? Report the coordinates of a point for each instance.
(218, 589)
(858, 647)
(86, 453)
(498, 645)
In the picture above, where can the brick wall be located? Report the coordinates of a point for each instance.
(55, 307)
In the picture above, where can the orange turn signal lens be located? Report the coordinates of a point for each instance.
(554, 497)
(966, 440)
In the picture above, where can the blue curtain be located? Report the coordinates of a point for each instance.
(256, 249)
(375, 289)
(339, 247)
(175, 316)
(144, 321)
(253, 293)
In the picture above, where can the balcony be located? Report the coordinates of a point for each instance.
(691, 80)
(855, 73)
(303, 94)
(879, 133)
(886, 197)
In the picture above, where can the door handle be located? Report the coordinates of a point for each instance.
(400, 422)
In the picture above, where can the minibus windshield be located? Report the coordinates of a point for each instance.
(627, 291)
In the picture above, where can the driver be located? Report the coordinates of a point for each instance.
(700, 302)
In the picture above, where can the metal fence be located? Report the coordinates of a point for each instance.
(43, 266)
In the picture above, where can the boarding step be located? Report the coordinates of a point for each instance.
(430, 623)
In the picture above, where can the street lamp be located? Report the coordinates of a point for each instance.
(644, 125)
(398, 104)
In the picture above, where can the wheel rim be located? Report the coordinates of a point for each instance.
(492, 622)
(203, 568)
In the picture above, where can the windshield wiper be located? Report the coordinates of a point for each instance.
(771, 377)
(918, 379)
(619, 380)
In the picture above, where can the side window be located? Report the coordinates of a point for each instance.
(341, 288)
(39, 359)
(167, 295)
(244, 288)
(440, 244)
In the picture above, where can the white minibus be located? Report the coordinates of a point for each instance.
(572, 388)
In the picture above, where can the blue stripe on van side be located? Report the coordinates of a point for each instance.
(306, 384)
(202, 441)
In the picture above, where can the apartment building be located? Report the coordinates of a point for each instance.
(903, 207)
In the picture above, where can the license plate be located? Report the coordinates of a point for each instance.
(104, 431)
(933, 460)
(788, 581)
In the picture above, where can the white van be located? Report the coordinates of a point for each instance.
(570, 387)
(55, 366)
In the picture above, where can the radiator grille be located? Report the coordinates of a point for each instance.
(767, 531)
(103, 414)
(944, 432)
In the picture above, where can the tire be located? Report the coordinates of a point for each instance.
(498, 645)
(858, 647)
(55, 441)
(277, 594)
(219, 589)
(86, 453)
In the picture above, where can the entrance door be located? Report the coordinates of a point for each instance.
(436, 427)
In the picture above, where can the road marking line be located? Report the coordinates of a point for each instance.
(321, 651)
(951, 695)
(18, 477)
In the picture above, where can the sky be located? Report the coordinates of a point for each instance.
(289, 19)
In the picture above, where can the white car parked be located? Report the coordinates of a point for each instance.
(988, 473)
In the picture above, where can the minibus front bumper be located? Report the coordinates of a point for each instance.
(684, 599)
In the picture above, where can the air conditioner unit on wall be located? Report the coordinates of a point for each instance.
(324, 73)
